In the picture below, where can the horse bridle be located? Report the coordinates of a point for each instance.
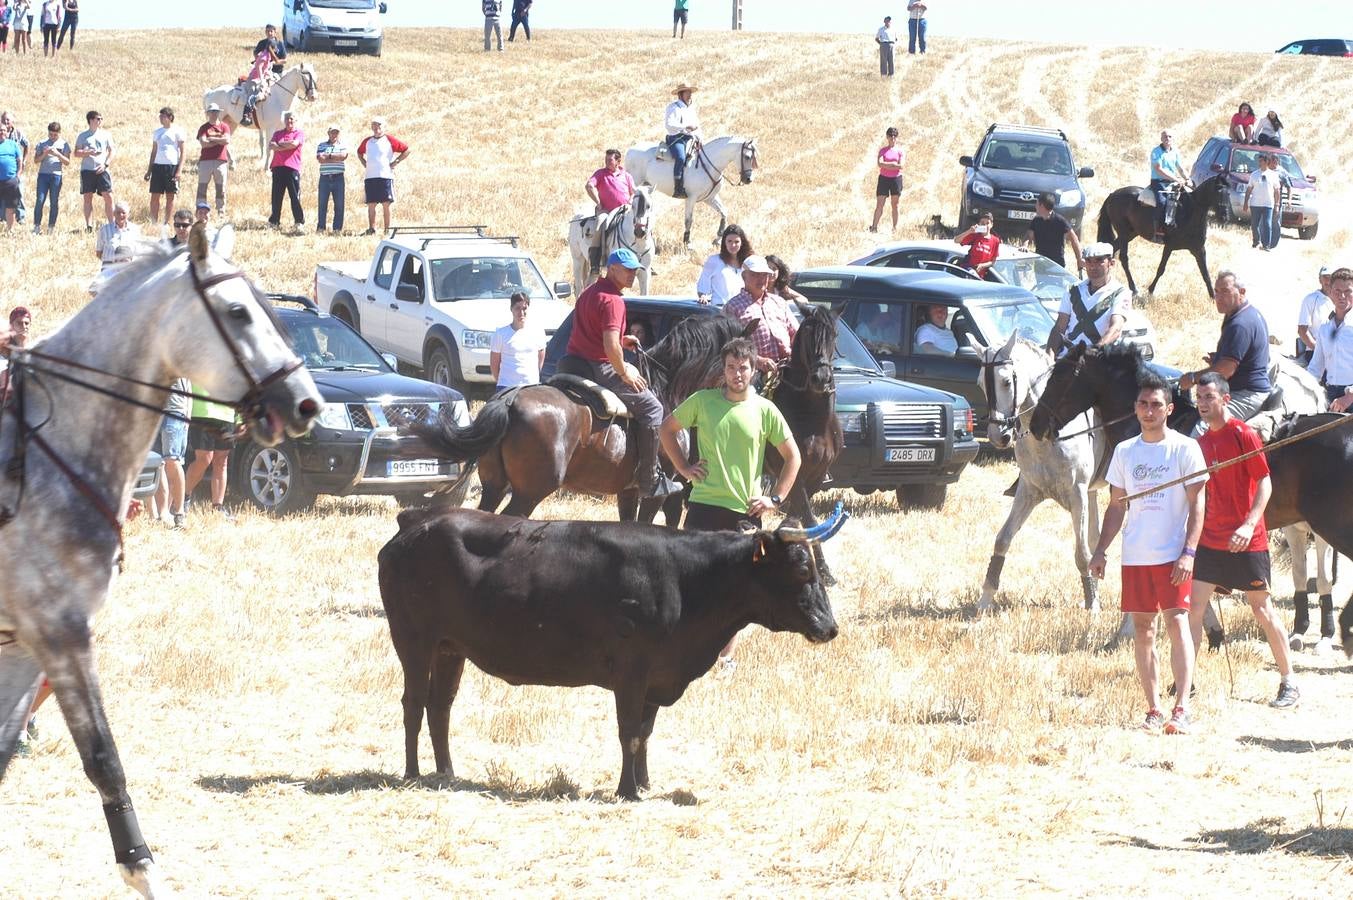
(307, 79)
(782, 371)
(716, 175)
(1015, 421)
(1058, 424)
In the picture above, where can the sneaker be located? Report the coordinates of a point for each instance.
(368, 231)
(1288, 696)
(89, 229)
(1153, 721)
(180, 520)
(1179, 722)
(225, 513)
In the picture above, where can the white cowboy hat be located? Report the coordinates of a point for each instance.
(683, 87)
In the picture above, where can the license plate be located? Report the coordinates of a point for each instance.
(1020, 214)
(910, 454)
(400, 467)
(345, 43)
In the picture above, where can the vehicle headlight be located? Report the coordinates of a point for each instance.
(982, 189)
(852, 423)
(460, 413)
(1069, 198)
(478, 340)
(965, 422)
(316, 21)
(335, 416)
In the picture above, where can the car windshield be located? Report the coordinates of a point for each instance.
(1243, 162)
(1027, 156)
(343, 4)
(326, 343)
(998, 319)
(486, 277)
(1038, 275)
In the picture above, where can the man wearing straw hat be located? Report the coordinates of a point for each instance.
(682, 123)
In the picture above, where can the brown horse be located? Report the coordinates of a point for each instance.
(1123, 217)
(534, 440)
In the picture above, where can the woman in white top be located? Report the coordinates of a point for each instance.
(1269, 130)
(934, 337)
(518, 349)
(721, 278)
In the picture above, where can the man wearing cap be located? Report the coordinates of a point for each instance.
(596, 350)
(1093, 310)
(332, 154)
(1332, 361)
(1315, 309)
(1242, 352)
(1166, 171)
(886, 41)
(203, 214)
(1262, 196)
(682, 124)
(214, 164)
(380, 153)
(776, 326)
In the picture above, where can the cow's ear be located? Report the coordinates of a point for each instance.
(761, 546)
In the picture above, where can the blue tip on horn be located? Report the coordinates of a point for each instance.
(837, 527)
(823, 530)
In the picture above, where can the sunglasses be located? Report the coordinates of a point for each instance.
(183, 224)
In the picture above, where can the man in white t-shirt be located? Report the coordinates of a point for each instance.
(1262, 197)
(380, 153)
(1315, 309)
(518, 349)
(1161, 531)
(166, 159)
(1093, 311)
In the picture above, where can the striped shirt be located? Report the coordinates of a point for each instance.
(331, 168)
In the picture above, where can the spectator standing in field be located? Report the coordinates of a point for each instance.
(982, 243)
(493, 9)
(166, 161)
(1315, 309)
(916, 11)
(775, 324)
(116, 240)
(94, 148)
(890, 158)
(680, 16)
(69, 23)
(1233, 549)
(6, 18)
(518, 348)
(9, 175)
(51, 23)
(886, 40)
(721, 276)
(22, 26)
(1242, 124)
(183, 221)
(209, 435)
(380, 153)
(1049, 231)
(521, 15)
(332, 155)
(8, 122)
(173, 446)
(20, 323)
(51, 156)
(779, 283)
(1160, 540)
(214, 165)
(1332, 361)
(286, 146)
(1262, 196)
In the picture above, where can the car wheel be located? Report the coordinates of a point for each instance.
(443, 367)
(303, 42)
(1306, 232)
(376, 51)
(271, 478)
(344, 315)
(922, 496)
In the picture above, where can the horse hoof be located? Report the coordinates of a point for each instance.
(1215, 638)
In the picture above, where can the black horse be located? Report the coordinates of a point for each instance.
(1124, 217)
(1309, 483)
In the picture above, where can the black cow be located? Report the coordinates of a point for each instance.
(637, 609)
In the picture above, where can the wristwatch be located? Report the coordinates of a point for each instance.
(776, 499)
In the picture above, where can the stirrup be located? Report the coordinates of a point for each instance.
(663, 486)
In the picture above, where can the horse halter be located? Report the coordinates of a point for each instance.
(1014, 422)
(747, 157)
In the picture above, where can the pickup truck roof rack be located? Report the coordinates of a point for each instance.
(1008, 126)
(431, 233)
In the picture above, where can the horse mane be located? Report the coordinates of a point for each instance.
(1123, 356)
(689, 358)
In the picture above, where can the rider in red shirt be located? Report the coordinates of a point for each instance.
(982, 243)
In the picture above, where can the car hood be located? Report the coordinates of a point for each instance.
(853, 389)
(364, 386)
(1033, 182)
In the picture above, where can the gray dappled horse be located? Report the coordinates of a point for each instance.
(625, 226)
(704, 173)
(71, 456)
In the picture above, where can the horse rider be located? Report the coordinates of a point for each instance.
(268, 56)
(596, 350)
(1242, 352)
(776, 325)
(682, 123)
(1094, 310)
(1167, 178)
(610, 188)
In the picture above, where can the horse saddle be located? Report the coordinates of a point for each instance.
(602, 401)
(1146, 197)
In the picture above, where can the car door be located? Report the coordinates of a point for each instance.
(957, 372)
(375, 311)
(410, 316)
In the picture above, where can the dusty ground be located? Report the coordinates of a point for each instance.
(250, 679)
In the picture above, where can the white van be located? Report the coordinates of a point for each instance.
(340, 25)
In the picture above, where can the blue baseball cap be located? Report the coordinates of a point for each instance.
(625, 257)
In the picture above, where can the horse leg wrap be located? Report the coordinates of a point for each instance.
(1326, 616)
(1090, 585)
(129, 847)
(1302, 619)
(994, 571)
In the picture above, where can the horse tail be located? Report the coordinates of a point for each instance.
(447, 440)
(1105, 233)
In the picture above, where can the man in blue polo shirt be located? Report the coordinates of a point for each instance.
(10, 156)
(1242, 352)
(1166, 170)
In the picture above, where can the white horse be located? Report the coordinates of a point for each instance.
(74, 454)
(652, 163)
(596, 236)
(296, 82)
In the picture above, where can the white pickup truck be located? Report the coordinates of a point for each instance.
(434, 296)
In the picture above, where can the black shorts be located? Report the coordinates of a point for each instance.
(92, 182)
(163, 180)
(380, 190)
(1247, 571)
(209, 434)
(10, 193)
(889, 187)
(703, 517)
(679, 15)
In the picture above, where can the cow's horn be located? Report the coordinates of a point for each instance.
(823, 530)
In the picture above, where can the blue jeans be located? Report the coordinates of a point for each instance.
(1261, 226)
(331, 186)
(915, 34)
(49, 189)
(677, 143)
(1275, 230)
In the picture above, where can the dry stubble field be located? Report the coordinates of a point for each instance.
(249, 673)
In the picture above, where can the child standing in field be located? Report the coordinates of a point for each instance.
(6, 14)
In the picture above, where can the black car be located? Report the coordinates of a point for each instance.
(1012, 166)
(898, 436)
(1319, 47)
(352, 447)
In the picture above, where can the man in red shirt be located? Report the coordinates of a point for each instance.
(1233, 551)
(982, 243)
(596, 350)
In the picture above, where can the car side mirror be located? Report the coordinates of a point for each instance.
(1216, 167)
(1310, 178)
(411, 293)
(298, 6)
(889, 368)
(967, 353)
(1087, 172)
(383, 8)
(965, 161)
(391, 361)
(562, 289)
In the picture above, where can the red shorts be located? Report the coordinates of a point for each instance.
(1147, 589)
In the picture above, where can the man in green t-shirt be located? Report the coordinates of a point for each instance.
(679, 16)
(733, 425)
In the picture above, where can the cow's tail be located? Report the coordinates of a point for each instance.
(1105, 233)
(463, 444)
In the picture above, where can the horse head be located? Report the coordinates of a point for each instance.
(814, 349)
(640, 208)
(748, 161)
(1000, 382)
(1067, 393)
